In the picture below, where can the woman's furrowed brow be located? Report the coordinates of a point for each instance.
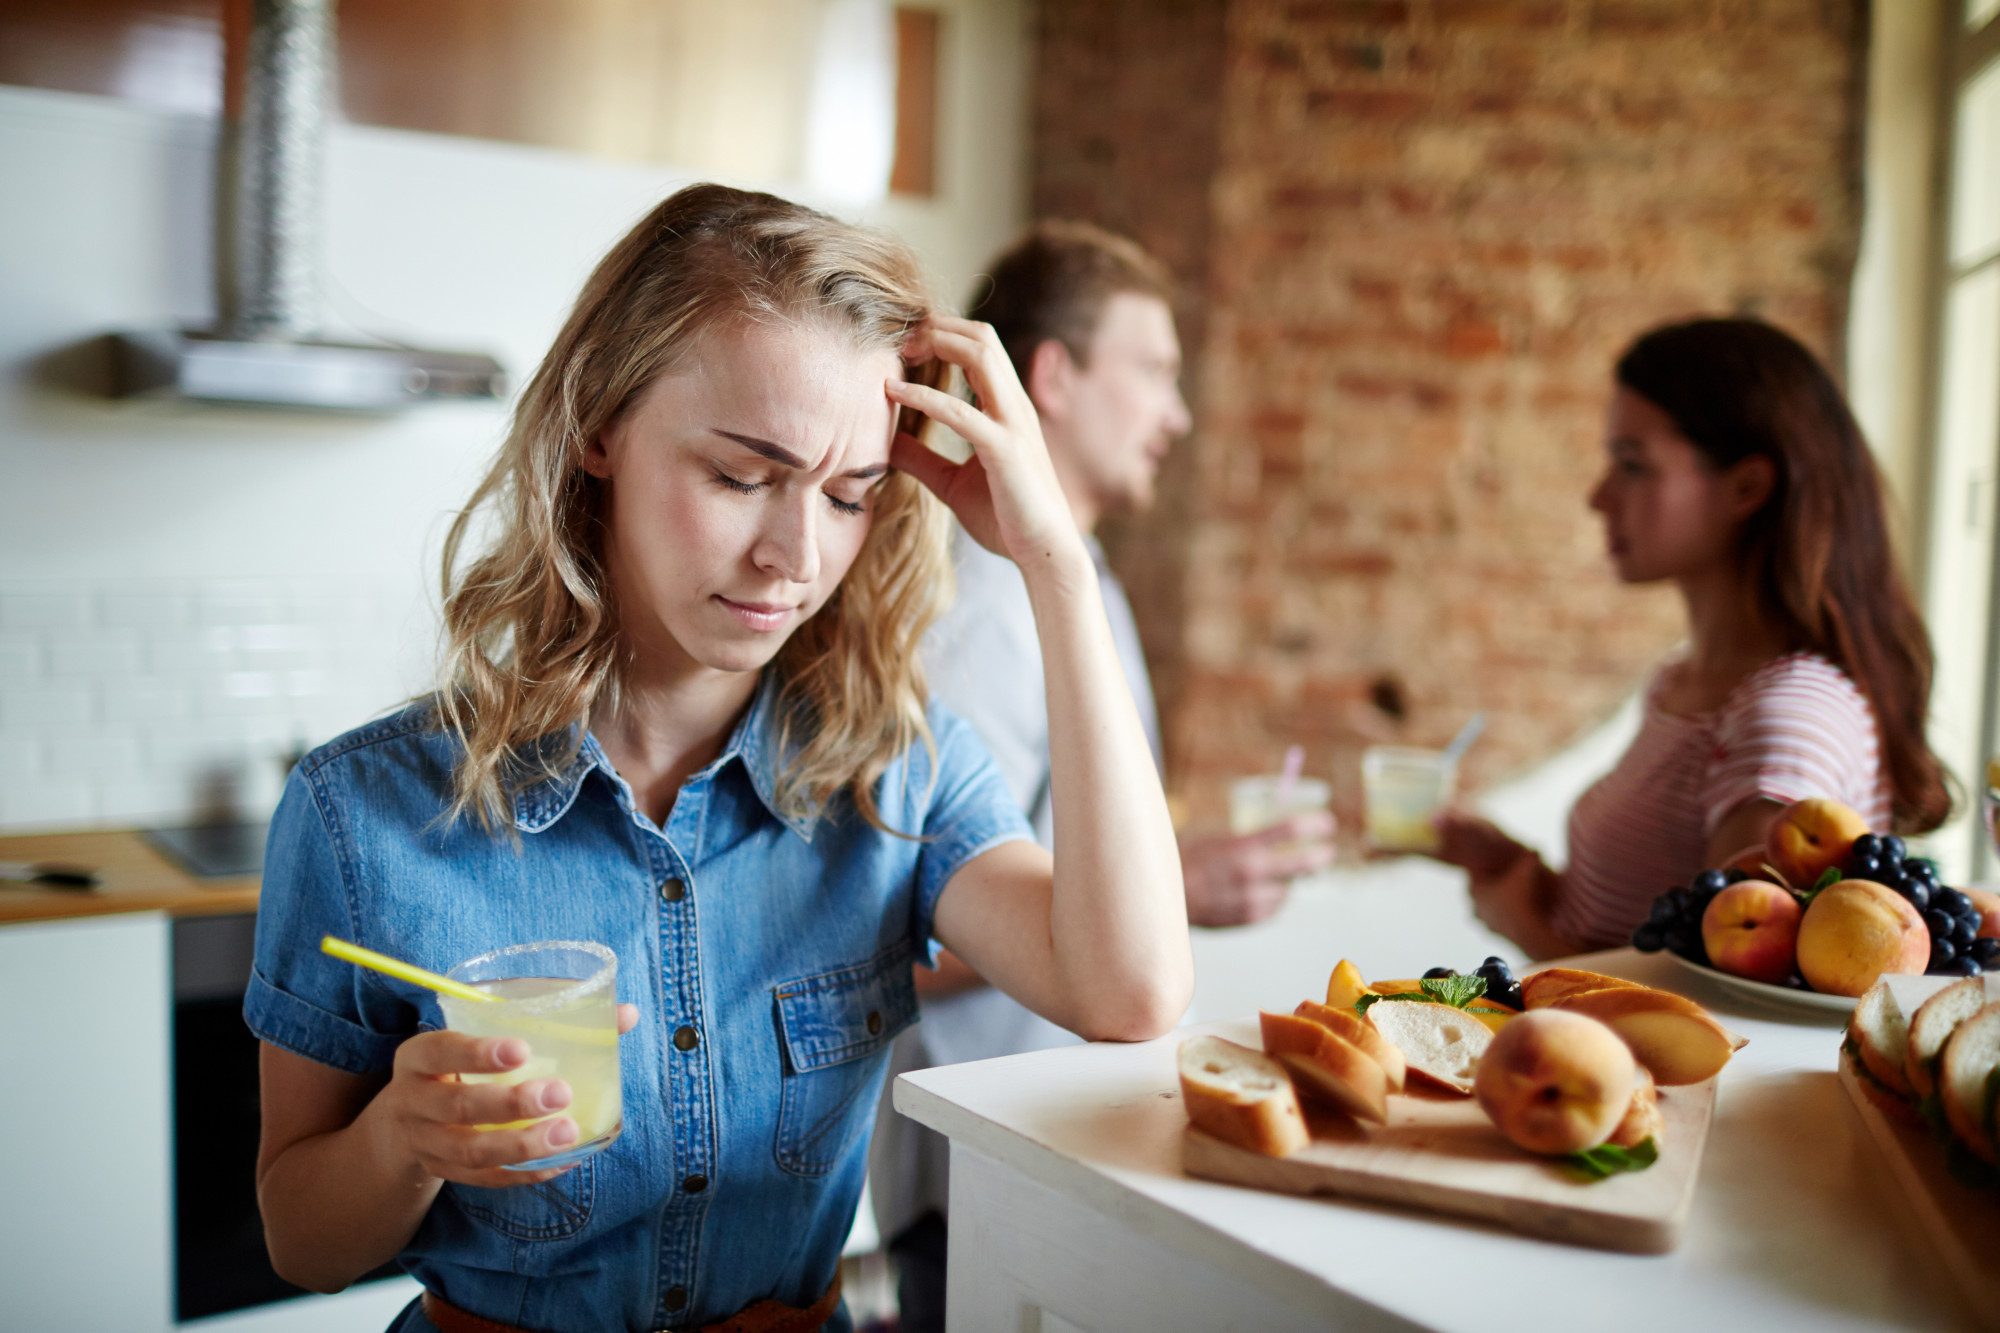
(777, 453)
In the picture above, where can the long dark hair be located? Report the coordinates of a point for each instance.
(1819, 548)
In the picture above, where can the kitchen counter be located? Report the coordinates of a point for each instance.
(136, 877)
(1069, 1205)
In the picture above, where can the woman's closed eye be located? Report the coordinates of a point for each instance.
(851, 508)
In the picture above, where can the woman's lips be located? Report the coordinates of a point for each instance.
(760, 616)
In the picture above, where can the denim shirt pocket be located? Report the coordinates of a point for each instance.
(550, 1210)
(835, 1029)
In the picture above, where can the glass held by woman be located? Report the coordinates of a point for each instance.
(1736, 472)
(681, 714)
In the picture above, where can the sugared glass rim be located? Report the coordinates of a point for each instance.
(555, 999)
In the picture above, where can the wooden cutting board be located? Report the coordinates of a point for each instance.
(1445, 1156)
(1951, 1226)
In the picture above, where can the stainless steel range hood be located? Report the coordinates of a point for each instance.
(267, 350)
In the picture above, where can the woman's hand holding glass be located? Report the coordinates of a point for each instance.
(439, 1125)
(1006, 495)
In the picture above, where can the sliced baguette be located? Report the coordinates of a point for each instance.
(1327, 1068)
(1931, 1027)
(1670, 1034)
(1881, 1032)
(1241, 1096)
(1351, 1027)
(1642, 1114)
(1442, 1045)
(1971, 1060)
(1543, 988)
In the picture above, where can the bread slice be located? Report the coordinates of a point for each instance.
(1440, 1044)
(1881, 1032)
(1543, 988)
(1931, 1027)
(1966, 1074)
(1241, 1096)
(1351, 1027)
(1642, 1114)
(1327, 1068)
(1670, 1034)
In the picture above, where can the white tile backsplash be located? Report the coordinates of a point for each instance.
(149, 702)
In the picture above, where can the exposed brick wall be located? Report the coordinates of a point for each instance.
(1418, 232)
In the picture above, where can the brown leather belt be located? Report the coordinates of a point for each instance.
(758, 1317)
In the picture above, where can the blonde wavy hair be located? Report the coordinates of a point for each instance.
(531, 628)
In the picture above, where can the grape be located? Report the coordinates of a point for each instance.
(1438, 973)
(1987, 952)
(1893, 848)
(1919, 895)
(1649, 938)
(1942, 951)
(1734, 876)
(1940, 923)
(1663, 913)
(1864, 867)
(1952, 901)
(1710, 882)
(1923, 869)
(1960, 967)
(1963, 933)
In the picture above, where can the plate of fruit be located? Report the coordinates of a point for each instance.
(1817, 915)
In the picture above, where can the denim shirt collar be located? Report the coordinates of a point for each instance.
(754, 742)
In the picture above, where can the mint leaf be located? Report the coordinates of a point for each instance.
(1456, 991)
(1828, 878)
(1609, 1160)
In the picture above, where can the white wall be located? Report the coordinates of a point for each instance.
(189, 590)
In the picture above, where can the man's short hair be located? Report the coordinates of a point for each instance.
(1054, 282)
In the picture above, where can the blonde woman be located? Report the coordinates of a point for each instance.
(683, 716)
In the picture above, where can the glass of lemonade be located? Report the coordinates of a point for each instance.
(1257, 803)
(1404, 788)
(561, 997)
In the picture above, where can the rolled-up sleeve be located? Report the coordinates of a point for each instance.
(299, 998)
(971, 811)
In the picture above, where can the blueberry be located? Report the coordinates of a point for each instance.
(1952, 901)
(1649, 938)
(1710, 881)
(1734, 876)
(1868, 844)
(1893, 848)
(1942, 951)
(1987, 951)
(1438, 973)
(1919, 895)
(1939, 921)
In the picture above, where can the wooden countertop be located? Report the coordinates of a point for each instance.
(135, 878)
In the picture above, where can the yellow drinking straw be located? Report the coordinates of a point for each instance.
(401, 971)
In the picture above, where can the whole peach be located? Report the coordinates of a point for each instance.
(1855, 931)
(1811, 836)
(1555, 1082)
(1751, 929)
(1988, 904)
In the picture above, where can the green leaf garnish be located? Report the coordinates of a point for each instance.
(1828, 878)
(1457, 991)
(1609, 1159)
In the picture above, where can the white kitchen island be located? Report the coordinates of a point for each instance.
(1069, 1210)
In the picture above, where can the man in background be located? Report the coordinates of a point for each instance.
(1085, 318)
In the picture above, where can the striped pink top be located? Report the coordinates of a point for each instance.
(1795, 727)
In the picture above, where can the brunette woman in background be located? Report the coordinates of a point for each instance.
(1737, 472)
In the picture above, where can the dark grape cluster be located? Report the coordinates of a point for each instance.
(1953, 920)
(1501, 986)
(1674, 924)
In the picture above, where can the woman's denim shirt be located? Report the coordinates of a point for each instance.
(769, 955)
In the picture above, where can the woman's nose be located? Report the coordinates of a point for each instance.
(789, 546)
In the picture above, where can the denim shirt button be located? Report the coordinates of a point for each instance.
(676, 1298)
(874, 1023)
(685, 1039)
(695, 1184)
(673, 890)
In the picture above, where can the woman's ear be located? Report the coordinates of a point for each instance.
(1750, 483)
(596, 458)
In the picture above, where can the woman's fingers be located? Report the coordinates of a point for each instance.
(446, 1052)
(495, 1103)
(628, 1018)
(976, 426)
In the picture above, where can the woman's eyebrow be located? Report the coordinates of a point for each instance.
(777, 453)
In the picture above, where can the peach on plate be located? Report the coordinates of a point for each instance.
(1751, 929)
(1811, 837)
(1856, 930)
